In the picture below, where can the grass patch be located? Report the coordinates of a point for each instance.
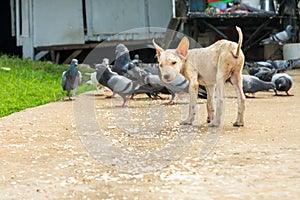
(25, 83)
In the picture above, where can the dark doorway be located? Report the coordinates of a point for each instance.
(7, 41)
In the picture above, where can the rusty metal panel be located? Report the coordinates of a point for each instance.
(57, 22)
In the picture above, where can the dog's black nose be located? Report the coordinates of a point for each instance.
(166, 76)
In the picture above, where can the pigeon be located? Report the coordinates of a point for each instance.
(265, 75)
(115, 82)
(93, 81)
(151, 84)
(179, 85)
(122, 59)
(135, 73)
(255, 70)
(279, 37)
(283, 82)
(71, 78)
(151, 68)
(255, 67)
(136, 59)
(105, 61)
(284, 64)
(264, 66)
(252, 84)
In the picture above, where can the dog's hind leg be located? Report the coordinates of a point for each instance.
(220, 101)
(209, 105)
(237, 82)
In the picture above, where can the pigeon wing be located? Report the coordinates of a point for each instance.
(79, 78)
(248, 82)
(64, 80)
(266, 41)
(281, 36)
(120, 84)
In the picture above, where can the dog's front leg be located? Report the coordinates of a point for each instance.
(193, 91)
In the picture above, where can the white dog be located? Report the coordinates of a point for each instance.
(210, 66)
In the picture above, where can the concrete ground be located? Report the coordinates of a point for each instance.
(91, 149)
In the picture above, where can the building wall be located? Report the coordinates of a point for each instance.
(57, 22)
(41, 23)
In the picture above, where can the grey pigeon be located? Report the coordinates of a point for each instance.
(93, 81)
(266, 75)
(105, 61)
(252, 84)
(279, 37)
(151, 68)
(121, 60)
(150, 83)
(117, 83)
(71, 78)
(255, 67)
(266, 64)
(283, 82)
(178, 85)
(255, 70)
(136, 59)
(284, 64)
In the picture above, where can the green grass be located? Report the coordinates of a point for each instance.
(30, 83)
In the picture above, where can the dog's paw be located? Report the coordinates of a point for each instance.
(238, 124)
(214, 125)
(185, 122)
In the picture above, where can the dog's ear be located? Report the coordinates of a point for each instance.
(183, 47)
(158, 49)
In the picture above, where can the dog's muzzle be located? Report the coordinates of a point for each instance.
(167, 77)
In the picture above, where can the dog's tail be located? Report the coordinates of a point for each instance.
(237, 53)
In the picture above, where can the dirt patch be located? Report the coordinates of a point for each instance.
(43, 155)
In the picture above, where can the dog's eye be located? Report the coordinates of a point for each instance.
(174, 62)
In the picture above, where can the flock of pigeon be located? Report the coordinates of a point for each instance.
(129, 77)
(268, 75)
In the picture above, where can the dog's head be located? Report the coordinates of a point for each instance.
(171, 61)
